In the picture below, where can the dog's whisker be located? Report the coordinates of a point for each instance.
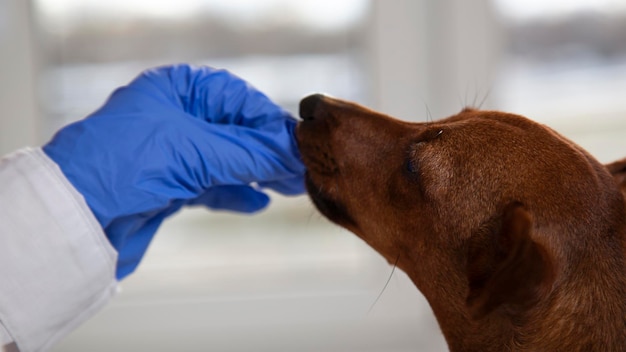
(311, 214)
(485, 98)
(475, 93)
(395, 265)
(429, 116)
(458, 95)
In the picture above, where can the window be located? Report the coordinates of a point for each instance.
(565, 65)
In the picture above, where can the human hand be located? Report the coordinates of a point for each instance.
(176, 136)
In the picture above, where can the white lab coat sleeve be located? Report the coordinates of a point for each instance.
(57, 268)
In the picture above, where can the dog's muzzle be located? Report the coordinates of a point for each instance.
(314, 136)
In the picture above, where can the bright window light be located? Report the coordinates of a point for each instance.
(321, 14)
(530, 9)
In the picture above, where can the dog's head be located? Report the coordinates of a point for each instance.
(484, 210)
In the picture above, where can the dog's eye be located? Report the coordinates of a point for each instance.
(411, 160)
(410, 166)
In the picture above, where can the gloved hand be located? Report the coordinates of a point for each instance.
(176, 136)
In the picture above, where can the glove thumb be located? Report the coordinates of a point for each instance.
(240, 198)
(290, 187)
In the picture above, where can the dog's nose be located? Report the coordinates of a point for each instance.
(309, 105)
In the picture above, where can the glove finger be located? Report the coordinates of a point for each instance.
(214, 95)
(234, 155)
(244, 199)
(131, 236)
(290, 187)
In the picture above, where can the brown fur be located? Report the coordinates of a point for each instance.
(514, 234)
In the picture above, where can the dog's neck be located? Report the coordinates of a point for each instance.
(585, 311)
(595, 323)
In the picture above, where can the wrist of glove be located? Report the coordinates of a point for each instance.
(177, 136)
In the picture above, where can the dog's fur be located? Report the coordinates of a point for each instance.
(513, 233)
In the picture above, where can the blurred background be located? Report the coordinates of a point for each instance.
(286, 279)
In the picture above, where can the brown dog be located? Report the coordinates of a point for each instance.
(514, 234)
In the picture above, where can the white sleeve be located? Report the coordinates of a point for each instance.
(57, 268)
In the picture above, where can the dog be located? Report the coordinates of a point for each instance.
(514, 234)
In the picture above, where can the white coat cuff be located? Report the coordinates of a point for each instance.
(56, 266)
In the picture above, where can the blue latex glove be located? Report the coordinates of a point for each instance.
(177, 136)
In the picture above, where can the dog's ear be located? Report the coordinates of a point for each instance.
(618, 170)
(505, 267)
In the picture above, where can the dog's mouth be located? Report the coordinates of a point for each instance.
(317, 157)
(333, 209)
(313, 135)
(321, 179)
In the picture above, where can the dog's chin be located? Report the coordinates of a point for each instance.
(332, 209)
